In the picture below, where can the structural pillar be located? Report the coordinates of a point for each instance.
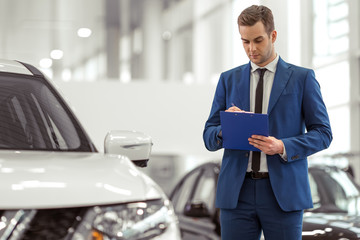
(112, 35)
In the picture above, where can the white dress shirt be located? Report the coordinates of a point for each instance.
(268, 82)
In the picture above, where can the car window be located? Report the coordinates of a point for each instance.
(33, 117)
(314, 192)
(183, 192)
(333, 187)
(341, 177)
(206, 189)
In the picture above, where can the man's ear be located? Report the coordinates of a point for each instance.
(273, 36)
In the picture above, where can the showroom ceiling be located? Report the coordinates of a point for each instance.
(31, 29)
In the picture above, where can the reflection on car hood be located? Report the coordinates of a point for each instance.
(331, 224)
(32, 179)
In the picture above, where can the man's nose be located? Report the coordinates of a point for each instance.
(252, 46)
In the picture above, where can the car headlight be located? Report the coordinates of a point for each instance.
(138, 220)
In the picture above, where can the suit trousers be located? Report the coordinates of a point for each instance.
(258, 210)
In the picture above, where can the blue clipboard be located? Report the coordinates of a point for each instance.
(237, 127)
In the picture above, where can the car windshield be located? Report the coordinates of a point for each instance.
(34, 117)
(334, 191)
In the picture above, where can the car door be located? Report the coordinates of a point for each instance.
(194, 203)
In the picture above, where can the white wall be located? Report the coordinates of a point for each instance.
(173, 114)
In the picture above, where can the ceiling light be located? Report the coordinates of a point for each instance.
(45, 63)
(166, 35)
(56, 54)
(84, 32)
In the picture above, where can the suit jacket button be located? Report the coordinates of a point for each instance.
(246, 154)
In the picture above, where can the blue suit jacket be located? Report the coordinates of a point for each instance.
(295, 104)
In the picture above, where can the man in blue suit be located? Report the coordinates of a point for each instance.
(268, 190)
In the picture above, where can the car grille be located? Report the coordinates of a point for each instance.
(44, 224)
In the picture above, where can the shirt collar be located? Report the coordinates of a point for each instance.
(271, 66)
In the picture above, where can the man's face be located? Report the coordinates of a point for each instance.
(257, 44)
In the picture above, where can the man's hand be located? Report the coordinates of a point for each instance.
(234, 109)
(268, 145)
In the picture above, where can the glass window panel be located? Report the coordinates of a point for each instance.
(329, 78)
(321, 42)
(334, 81)
(334, 2)
(331, 29)
(338, 11)
(340, 126)
(339, 45)
(320, 28)
(338, 28)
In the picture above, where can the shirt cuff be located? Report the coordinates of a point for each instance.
(284, 155)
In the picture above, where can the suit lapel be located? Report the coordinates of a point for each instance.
(282, 76)
(243, 88)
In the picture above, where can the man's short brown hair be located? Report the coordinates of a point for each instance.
(251, 15)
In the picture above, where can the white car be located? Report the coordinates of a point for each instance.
(54, 184)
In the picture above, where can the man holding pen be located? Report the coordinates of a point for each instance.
(268, 190)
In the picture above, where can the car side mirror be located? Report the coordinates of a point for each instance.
(135, 145)
(196, 209)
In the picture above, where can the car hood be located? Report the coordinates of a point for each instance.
(32, 179)
(331, 225)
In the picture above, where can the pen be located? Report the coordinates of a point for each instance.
(233, 105)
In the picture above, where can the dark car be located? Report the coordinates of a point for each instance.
(336, 197)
